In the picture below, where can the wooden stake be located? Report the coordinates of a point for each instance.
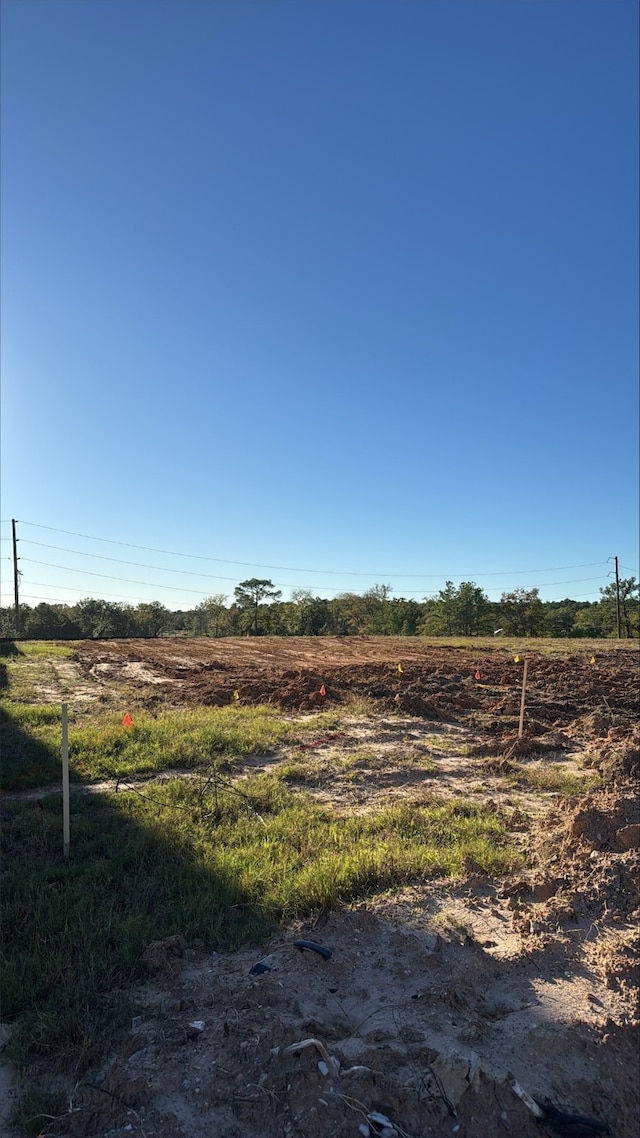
(524, 688)
(65, 782)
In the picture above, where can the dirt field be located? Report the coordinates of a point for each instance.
(479, 687)
(436, 1000)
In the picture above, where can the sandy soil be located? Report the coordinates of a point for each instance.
(435, 1000)
(432, 1004)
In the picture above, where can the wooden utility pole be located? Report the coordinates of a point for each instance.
(15, 576)
(617, 598)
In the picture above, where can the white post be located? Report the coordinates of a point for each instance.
(524, 688)
(65, 782)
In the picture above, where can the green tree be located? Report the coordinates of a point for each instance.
(471, 609)
(209, 617)
(102, 620)
(629, 607)
(521, 612)
(249, 595)
(464, 611)
(152, 618)
(590, 622)
(48, 622)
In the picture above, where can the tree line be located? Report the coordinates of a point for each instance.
(258, 610)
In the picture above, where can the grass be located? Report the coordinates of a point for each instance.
(41, 648)
(546, 779)
(37, 1108)
(46, 649)
(205, 859)
(317, 767)
(106, 749)
(214, 859)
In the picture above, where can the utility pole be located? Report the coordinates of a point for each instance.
(15, 576)
(617, 598)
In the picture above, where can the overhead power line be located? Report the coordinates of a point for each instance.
(280, 584)
(109, 577)
(298, 569)
(119, 561)
(211, 576)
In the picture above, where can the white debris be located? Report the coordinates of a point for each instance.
(381, 1119)
(527, 1100)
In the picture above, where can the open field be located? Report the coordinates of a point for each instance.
(479, 892)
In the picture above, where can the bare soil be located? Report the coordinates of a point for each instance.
(436, 999)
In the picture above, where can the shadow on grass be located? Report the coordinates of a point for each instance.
(9, 648)
(74, 930)
(26, 760)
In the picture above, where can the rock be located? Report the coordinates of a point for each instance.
(628, 838)
(164, 956)
(456, 1074)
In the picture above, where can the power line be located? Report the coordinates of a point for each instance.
(109, 577)
(211, 576)
(75, 589)
(119, 561)
(280, 584)
(293, 569)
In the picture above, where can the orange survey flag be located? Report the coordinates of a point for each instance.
(323, 690)
(127, 721)
(478, 676)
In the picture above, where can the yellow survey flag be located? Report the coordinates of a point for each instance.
(592, 660)
(236, 695)
(516, 659)
(400, 668)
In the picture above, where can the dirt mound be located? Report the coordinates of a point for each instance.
(620, 757)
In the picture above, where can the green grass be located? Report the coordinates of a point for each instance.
(188, 738)
(106, 749)
(548, 779)
(43, 648)
(46, 649)
(200, 858)
(37, 1108)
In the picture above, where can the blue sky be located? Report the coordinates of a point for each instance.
(347, 289)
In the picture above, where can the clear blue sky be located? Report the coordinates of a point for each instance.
(347, 288)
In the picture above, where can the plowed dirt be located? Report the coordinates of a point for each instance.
(436, 999)
(565, 691)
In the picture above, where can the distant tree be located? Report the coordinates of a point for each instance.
(302, 600)
(590, 622)
(208, 618)
(521, 612)
(629, 606)
(464, 611)
(249, 594)
(102, 620)
(471, 609)
(47, 622)
(447, 607)
(560, 617)
(152, 618)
